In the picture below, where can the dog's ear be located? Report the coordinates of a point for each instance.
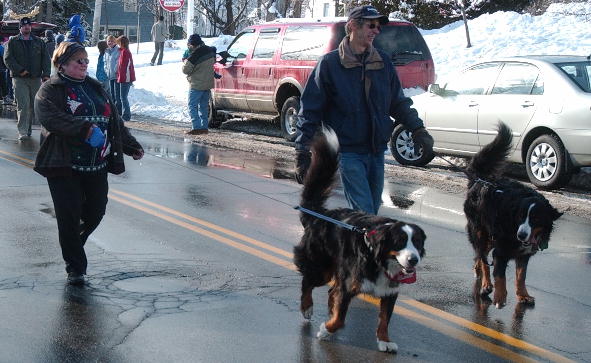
(423, 238)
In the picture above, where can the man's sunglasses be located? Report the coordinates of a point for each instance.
(373, 26)
(82, 61)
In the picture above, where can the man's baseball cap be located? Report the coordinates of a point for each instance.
(367, 12)
(24, 21)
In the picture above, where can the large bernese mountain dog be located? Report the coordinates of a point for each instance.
(375, 261)
(505, 217)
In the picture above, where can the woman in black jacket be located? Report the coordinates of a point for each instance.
(84, 139)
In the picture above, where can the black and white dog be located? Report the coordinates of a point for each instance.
(375, 262)
(505, 217)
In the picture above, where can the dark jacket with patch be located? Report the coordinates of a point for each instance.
(61, 127)
(356, 99)
(199, 68)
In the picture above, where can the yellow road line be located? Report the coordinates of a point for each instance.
(487, 331)
(19, 160)
(224, 240)
(434, 324)
(237, 235)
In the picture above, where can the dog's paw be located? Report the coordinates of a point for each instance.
(500, 300)
(526, 299)
(323, 333)
(389, 347)
(307, 314)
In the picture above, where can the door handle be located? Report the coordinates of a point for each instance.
(472, 103)
(527, 104)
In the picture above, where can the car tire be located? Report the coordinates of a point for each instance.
(547, 163)
(288, 118)
(214, 121)
(404, 151)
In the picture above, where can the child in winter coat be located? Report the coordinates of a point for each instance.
(76, 30)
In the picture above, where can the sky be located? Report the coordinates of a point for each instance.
(162, 91)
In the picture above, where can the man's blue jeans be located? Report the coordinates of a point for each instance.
(362, 176)
(121, 101)
(199, 108)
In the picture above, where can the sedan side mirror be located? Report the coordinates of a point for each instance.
(435, 89)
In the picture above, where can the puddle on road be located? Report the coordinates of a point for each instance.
(204, 156)
(152, 284)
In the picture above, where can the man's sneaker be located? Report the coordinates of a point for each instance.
(75, 278)
(151, 63)
(22, 137)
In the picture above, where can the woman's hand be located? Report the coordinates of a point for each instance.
(138, 154)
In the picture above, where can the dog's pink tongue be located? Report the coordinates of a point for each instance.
(404, 278)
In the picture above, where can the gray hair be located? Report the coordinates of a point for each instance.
(349, 26)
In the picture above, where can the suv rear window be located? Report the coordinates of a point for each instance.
(404, 43)
(579, 72)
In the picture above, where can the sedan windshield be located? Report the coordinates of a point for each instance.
(578, 72)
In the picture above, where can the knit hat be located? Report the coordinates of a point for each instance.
(71, 49)
(24, 21)
(195, 40)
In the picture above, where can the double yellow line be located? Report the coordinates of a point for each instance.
(438, 320)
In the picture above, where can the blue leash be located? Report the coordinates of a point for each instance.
(331, 220)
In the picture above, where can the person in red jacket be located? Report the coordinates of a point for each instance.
(125, 77)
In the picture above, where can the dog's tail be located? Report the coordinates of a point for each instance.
(323, 168)
(489, 161)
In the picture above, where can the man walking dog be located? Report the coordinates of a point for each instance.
(354, 90)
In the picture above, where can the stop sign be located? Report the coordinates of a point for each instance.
(172, 5)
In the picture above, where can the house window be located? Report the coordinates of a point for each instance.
(325, 9)
(132, 34)
(116, 31)
(130, 6)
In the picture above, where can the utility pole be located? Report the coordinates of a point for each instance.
(190, 17)
(96, 20)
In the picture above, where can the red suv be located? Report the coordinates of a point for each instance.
(265, 68)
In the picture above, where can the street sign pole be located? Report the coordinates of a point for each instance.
(190, 17)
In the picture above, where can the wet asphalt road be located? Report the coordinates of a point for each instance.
(193, 263)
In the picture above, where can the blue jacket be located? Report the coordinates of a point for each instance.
(76, 30)
(111, 61)
(101, 75)
(356, 99)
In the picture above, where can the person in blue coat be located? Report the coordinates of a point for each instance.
(77, 32)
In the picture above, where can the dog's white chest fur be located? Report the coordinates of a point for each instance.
(380, 288)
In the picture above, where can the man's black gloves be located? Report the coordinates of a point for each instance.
(302, 163)
(421, 137)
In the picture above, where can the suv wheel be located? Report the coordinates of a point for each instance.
(214, 121)
(405, 151)
(288, 118)
(547, 163)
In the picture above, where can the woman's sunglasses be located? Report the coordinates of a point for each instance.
(82, 61)
(373, 26)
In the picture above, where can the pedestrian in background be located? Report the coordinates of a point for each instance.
(199, 70)
(7, 83)
(101, 75)
(3, 74)
(159, 35)
(49, 42)
(125, 78)
(111, 60)
(26, 57)
(77, 32)
(86, 139)
(354, 90)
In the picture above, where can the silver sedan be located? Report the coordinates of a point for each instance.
(546, 100)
